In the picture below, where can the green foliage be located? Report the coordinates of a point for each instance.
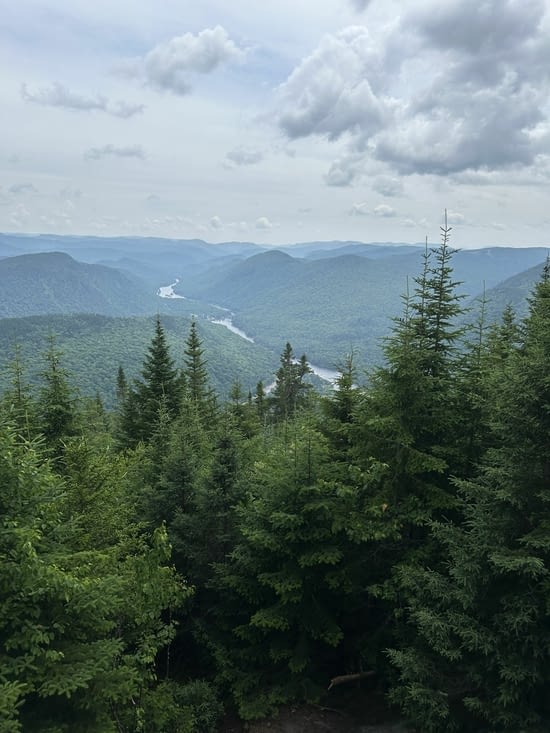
(480, 653)
(80, 613)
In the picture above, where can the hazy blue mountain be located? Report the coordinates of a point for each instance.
(513, 291)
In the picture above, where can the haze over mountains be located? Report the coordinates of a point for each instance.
(326, 298)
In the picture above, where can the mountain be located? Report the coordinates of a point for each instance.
(54, 282)
(326, 298)
(514, 291)
(93, 347)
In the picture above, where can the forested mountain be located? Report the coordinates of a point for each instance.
(183, 551)
(326, 298)
(54, 282)
(94, 346)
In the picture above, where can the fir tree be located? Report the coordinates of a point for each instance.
(155, 393)
(481, 660)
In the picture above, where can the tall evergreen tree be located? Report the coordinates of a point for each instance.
(157, 392)
(196, 388)
(56, 403)
(290, 390)
(480, 658)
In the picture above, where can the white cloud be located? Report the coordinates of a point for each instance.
(59, 96)
(263, 223)
(331, 93)
(128, 151)
(168, 65)
(385, 211)
(388, 186)
(362, 209)
(216, 222)
(345, 171)
(454, 218)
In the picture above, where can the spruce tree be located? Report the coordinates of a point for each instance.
(155, 393)
(196, 388)
(56, 404)
(290, 390)
(480, 659)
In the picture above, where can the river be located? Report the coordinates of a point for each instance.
(167, 291)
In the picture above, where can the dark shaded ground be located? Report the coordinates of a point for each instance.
(363, 713)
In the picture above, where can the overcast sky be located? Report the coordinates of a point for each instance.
(277, 122)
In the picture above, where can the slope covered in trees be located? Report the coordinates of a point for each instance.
(183, 551)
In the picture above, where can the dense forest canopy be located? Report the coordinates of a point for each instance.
(183, 552)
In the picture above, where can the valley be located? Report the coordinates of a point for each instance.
(328, 299)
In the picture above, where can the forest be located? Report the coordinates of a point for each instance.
(178, 555)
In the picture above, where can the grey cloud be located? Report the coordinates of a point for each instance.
(129, 151)
(22, 188)
(361, 209)
(59, 96)
(331, 93)
(168, 65)
(484, 108)
(345, 171)
(244, 156)
(488, 130)
(388, 186)
(452, 87)
(360, 5)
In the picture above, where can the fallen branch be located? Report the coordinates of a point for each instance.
(345, 678)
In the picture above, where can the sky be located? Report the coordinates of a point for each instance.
(277, 122)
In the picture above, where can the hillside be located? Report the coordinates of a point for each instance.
(54, 282)
(94, 346)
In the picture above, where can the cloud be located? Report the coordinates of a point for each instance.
(360, 5)
(242, 157)
(216, 222)
(345, 171)
(384, 211)
(388, 186)
(454, 218)
(447, 88)
(168, 65)
(330, 93)
(59, 96)
(129, 151)
(361, 209)
(263, 223)
(22, 188)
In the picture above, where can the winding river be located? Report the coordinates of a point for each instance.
(167, 291)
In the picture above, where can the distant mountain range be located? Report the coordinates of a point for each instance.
(326, 298)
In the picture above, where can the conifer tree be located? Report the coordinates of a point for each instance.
(81, 603)
(56, 406)
(17, 401)
(480, 658)
(155, 393)
(290, 390)
(196, 386)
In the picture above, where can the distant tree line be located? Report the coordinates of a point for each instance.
(177, 554)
